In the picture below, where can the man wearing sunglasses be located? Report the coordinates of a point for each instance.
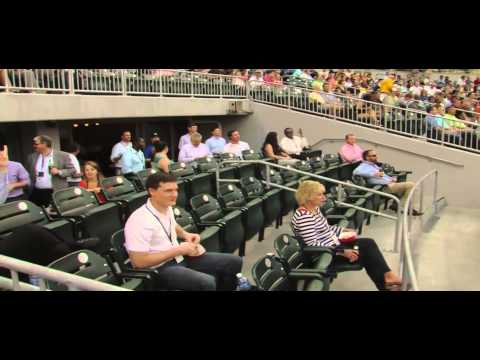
(373, 173)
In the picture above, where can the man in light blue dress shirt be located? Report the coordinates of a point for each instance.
(216, 143)
(374, 175)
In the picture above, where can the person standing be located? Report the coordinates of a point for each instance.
(133, 158)
(216, 143)
(73, 150)
(150, 149)
(13, 179)
(48, 169)
(119, 149)
(160, 159)
(186, 139)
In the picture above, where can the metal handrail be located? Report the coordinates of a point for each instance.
(73, 282)
(406, 253)
(326, 179)
(389, 146)
(412, 116)
(125, 82)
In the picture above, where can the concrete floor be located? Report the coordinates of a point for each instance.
(447, 254)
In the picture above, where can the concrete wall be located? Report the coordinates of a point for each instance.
(36, 107)
(457, 183)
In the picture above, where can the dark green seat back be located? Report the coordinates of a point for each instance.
(16, 214)
(73, 201)
(269, 274)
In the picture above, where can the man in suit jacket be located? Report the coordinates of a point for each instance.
(48, 169)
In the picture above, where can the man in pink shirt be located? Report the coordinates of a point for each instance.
(350, 151)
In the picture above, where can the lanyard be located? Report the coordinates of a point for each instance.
(169, 235)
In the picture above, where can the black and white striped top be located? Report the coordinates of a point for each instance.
(313, 228)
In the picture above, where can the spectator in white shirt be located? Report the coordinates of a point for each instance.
(119, 149)
(73, 150)
(256, 79)
(291, 144)
(151, 239)
(185, 139)
(195, 150)
(235, 146)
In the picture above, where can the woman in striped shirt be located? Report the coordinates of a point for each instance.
(309, 224)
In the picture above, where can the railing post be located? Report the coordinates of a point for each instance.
(15, 280)
(71, 83)
(435, 190)
(398, 229)
(217, 176)
(339, 193)
(267, 175)
(160, 85)
(6, 80)
(221, 87)
(288, 97)
(124, 82)
(191, 85)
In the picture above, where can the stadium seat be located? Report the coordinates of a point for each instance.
(289, 202)
(209, 236)
(208, 212)
(19, 213)
(120, 190)
(231, 198)
(272, 202)
(90, 265)
(303, 166)
(287, 247)
(183, 193)
(334, 214)
(318, 165)
(310, 255)
(377, 199)
(271, 274)
(139, 179)
(91, 219)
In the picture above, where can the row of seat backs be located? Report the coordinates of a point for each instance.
(19, 213)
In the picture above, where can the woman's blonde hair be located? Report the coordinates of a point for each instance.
(306, 189)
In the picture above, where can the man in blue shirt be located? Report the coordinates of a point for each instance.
(374, 175)
(216, 143)
(155, 139)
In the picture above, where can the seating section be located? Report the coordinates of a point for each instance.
(226, 220)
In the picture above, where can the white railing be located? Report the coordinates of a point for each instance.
(151, 82)
(341, 184)
(413, 123)
(73, 282)
(407, 258)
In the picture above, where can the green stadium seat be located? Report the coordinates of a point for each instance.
(88, 264)
(270, 274)
(208, 212)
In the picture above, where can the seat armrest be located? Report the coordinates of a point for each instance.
(220, 224)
